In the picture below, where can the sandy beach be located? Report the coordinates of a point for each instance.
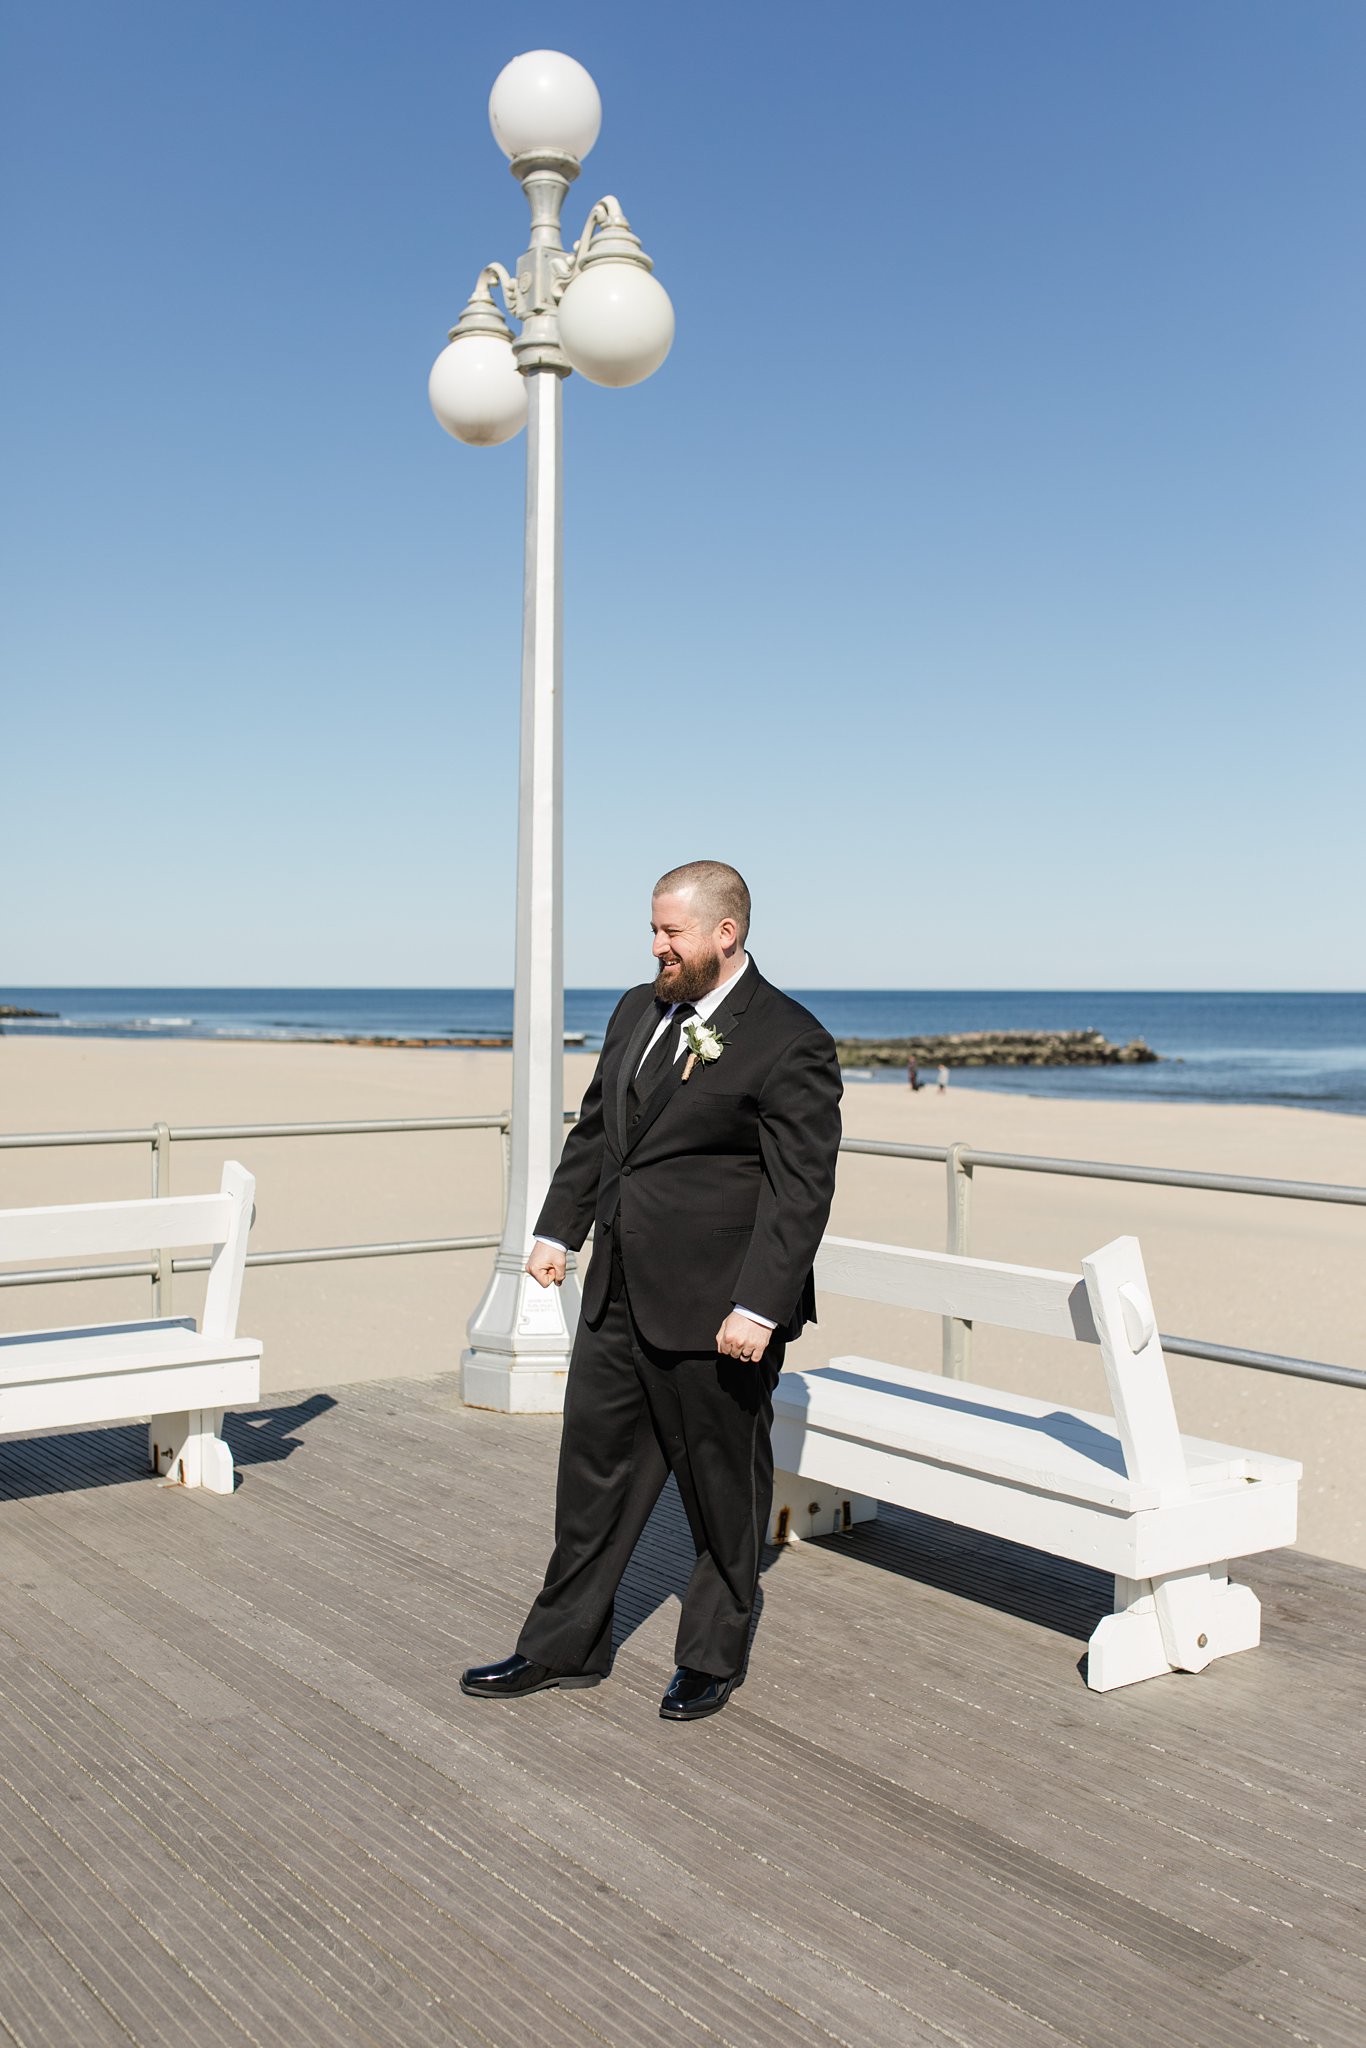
(1274, 1275)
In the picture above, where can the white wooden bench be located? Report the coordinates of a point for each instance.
(182, 1377)
(1125, 1492)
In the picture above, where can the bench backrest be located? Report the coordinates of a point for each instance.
(1107, 1303)
(162, 1222)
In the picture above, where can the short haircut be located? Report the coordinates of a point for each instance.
(716, 891)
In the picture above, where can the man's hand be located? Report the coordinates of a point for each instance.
(546, 1264)
(739, 1337)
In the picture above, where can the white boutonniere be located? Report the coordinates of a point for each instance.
(706, 1045)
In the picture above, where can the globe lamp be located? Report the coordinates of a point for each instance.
(544, 101)
(616, 319)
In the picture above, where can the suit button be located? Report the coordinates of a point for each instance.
(625, 1172)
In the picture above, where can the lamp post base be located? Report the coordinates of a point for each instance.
(520, 1338)
(514, 1386)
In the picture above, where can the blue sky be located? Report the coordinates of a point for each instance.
(983, 572)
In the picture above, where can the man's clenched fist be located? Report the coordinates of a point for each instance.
(738, 1337)
(546, 1264)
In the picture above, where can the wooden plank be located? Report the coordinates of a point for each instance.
(945, 1284)
(1109, 1970)
(1312, 2012)
(1206, 1460)
(44, 2000)
(115, 1396)
(1135, 1370)
(953, 1841)
(78, 1230)
(689, 1978)
(1242, 1738)
(352, 1947)
(1104, 1814)
(114, 1347)
(132, 1968)
(955, 1423)
(223, 1290)
(444, 1742)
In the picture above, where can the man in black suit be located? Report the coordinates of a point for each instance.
(704, 1158)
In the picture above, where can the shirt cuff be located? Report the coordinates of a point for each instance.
(554, 1244)
(767, 1321)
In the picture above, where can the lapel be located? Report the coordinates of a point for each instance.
(630, 1060)
(726, 1018)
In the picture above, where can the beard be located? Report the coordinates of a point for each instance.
(690, 980)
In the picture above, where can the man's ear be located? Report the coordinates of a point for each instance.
(728, 931)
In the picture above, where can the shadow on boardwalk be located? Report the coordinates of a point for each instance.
(242, 1799)
(67, 1459)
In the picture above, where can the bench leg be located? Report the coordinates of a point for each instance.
(809, 1507)
(1127, 1645)
(188, 1450)
(1204, 1616)
(1178, 1623)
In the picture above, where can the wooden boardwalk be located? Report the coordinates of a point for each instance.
(243, 1799)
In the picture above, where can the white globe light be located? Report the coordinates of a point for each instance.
(616, 323)
(477, 392)
(544, 100)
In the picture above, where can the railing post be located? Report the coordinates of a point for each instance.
(161, 1185)
(957, 1332)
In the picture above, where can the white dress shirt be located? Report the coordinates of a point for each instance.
(702, 1010)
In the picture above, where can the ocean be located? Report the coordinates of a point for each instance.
(1304, 1050)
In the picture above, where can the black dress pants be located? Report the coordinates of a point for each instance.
(632, 1415)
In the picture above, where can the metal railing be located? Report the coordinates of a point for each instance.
(959, 1162)
(161, 1268)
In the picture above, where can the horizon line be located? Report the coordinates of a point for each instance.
(606, 988)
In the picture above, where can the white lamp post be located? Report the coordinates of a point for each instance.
(601, 312)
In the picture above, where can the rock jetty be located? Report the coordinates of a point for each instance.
(492, 1042)
(996, 1049)
(13, 1010)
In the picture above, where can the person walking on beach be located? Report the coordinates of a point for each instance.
(704, 1157)
(943, 1079)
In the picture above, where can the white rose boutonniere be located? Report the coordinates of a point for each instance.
(706, 1045)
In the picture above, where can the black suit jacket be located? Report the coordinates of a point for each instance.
(721, 1188)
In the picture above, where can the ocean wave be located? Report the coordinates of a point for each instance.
(114, 1026)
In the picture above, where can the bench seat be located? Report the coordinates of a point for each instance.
(1018, 1467)
(107, 1372)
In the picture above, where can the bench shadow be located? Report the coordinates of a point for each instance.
(264, 1436)
(1100, 1446)
(1030, 1585)
(74, 1461)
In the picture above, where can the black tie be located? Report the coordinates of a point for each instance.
(657, 1062)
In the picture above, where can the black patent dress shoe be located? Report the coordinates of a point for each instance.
(516, 1675)
(694, 1694)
